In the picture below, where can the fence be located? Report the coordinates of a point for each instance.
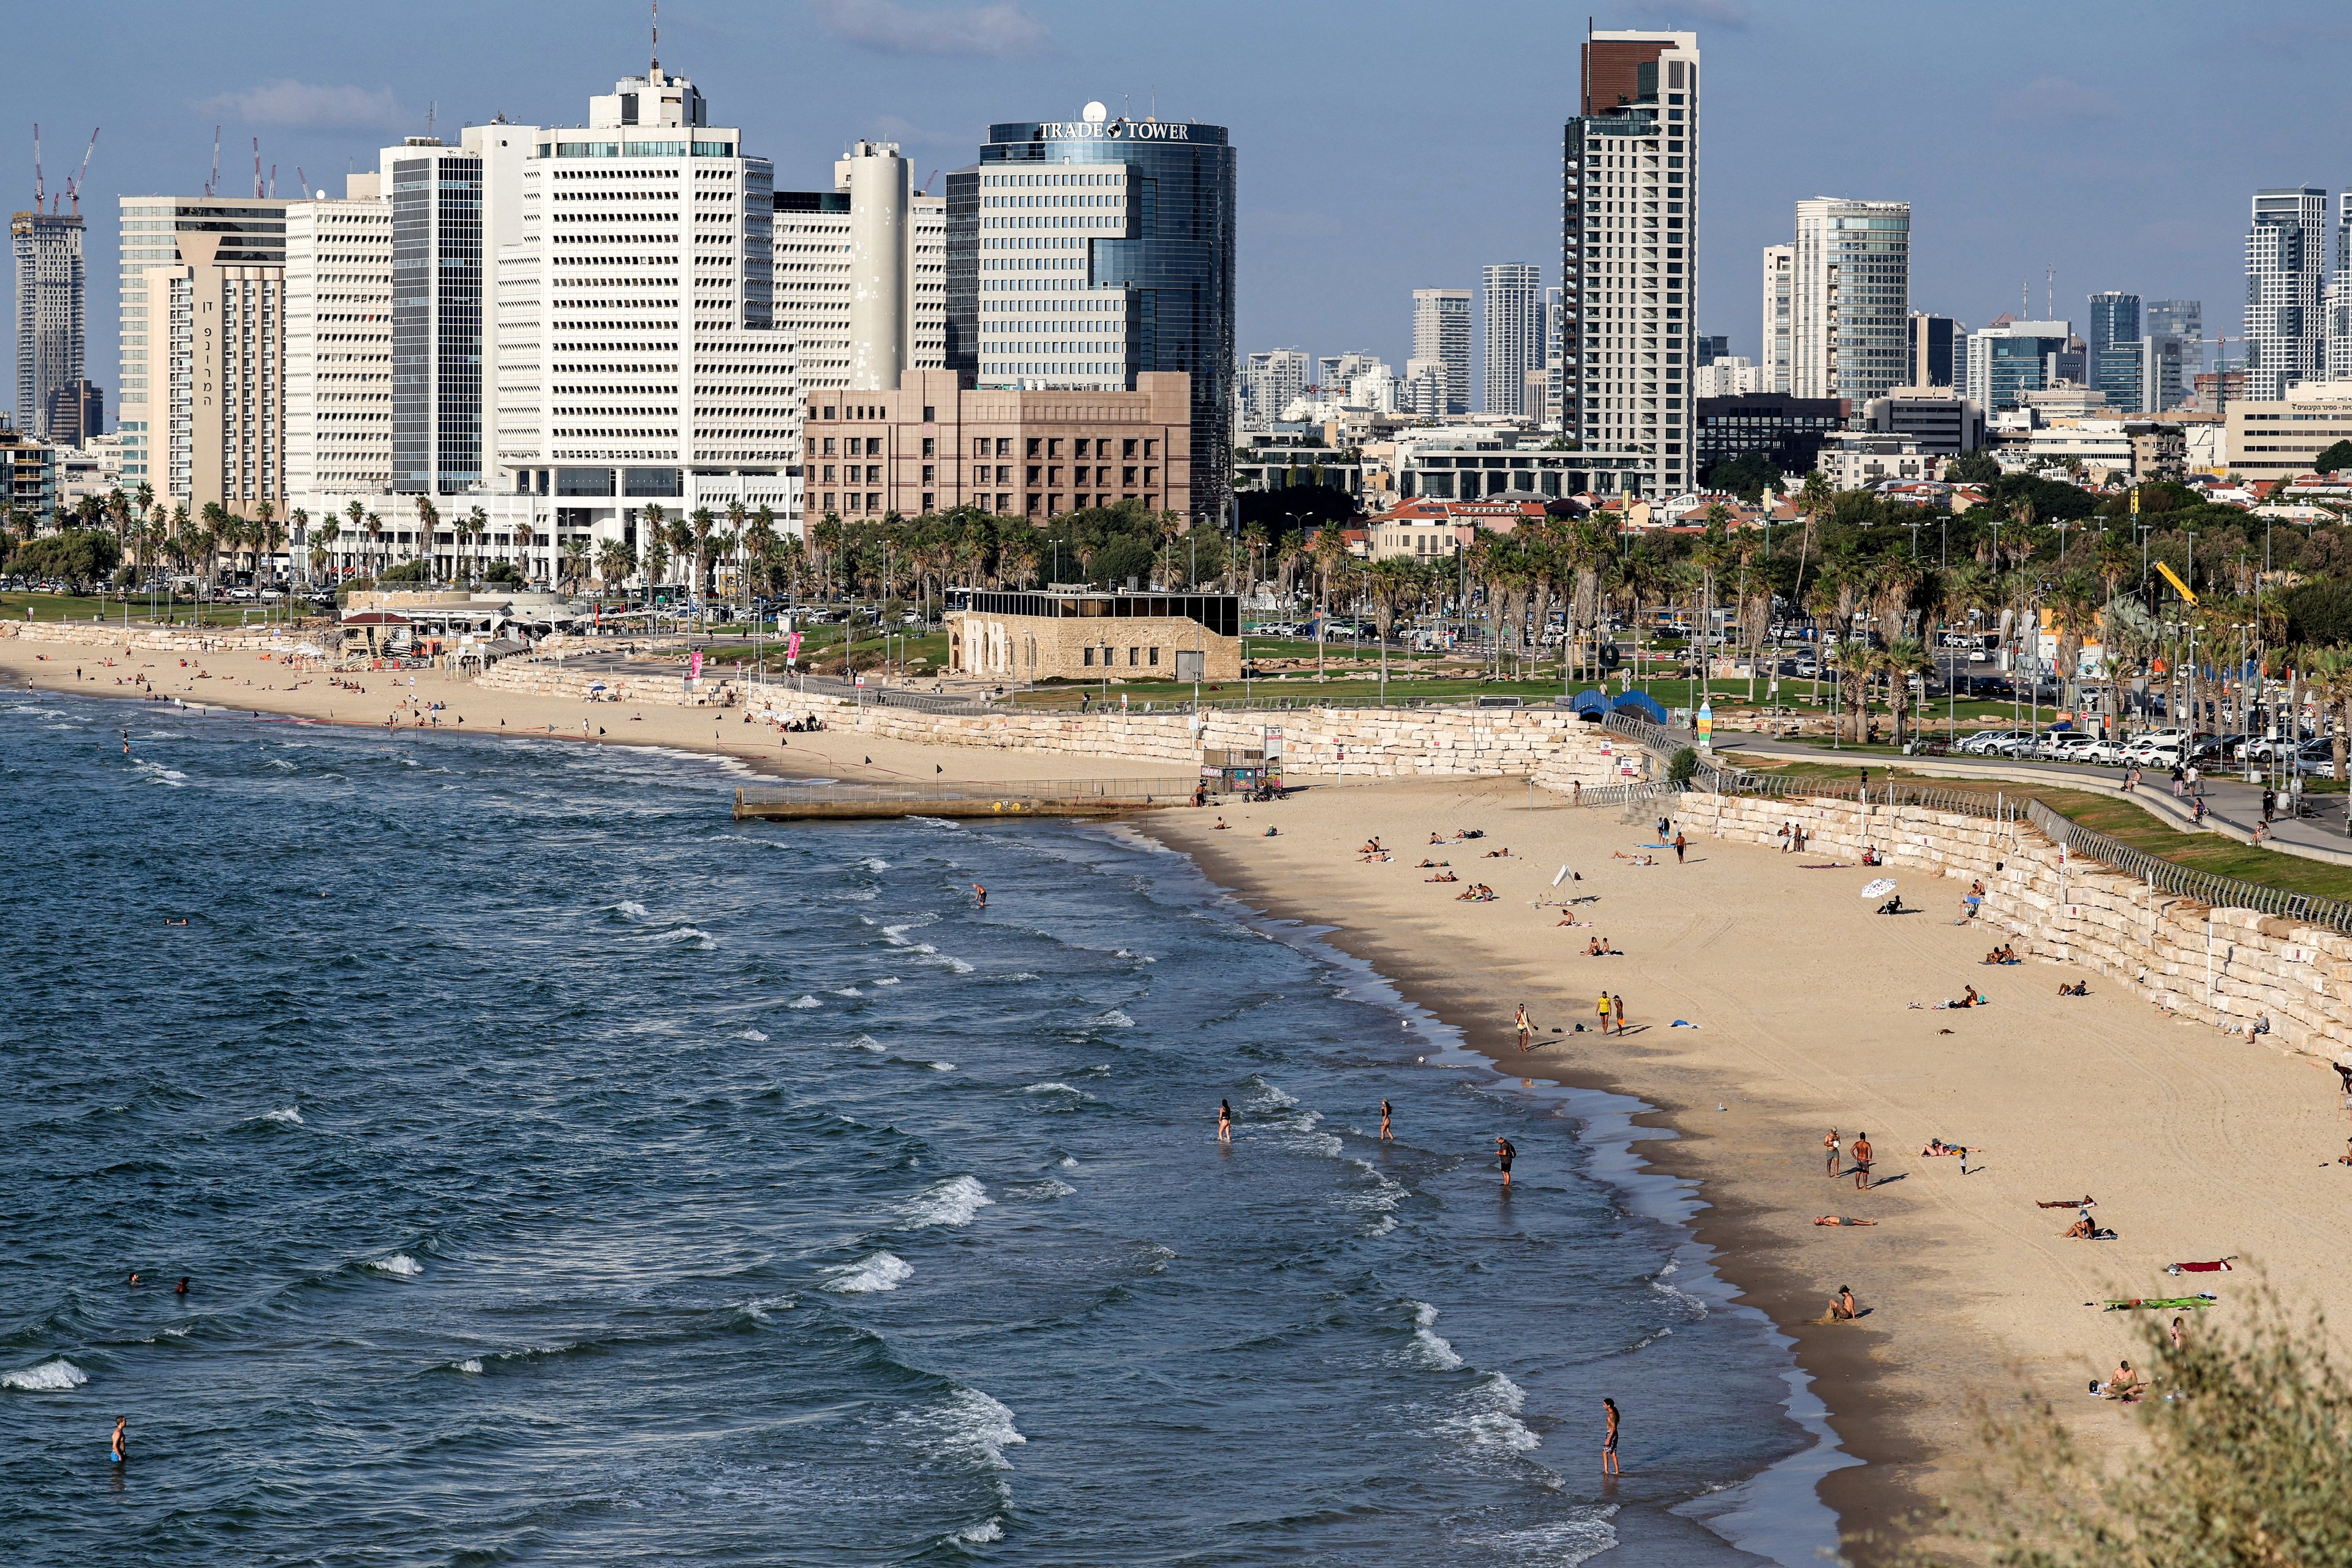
(2223, 892)
(1108, 791)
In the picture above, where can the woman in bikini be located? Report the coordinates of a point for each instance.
(1224, 1121)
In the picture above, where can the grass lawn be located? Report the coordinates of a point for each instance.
(53, 607)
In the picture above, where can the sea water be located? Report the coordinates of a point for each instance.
(565, 1172)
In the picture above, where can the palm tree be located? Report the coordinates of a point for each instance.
(375, 526)
(1329, 549)
(2074, 615)
(1390, 584)
(1900, 661)
(2328, 671)
(575, 560)
(701, 522)
(614, 562)
(477, 524)
(429, 531)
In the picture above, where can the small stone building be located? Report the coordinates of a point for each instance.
(1092, 634)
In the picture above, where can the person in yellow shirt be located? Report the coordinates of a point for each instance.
(1603, 1006)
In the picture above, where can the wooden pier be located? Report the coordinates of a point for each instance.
(1036, 798)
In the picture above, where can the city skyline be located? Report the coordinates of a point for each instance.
(2055, 171)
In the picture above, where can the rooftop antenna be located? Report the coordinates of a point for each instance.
(2050, 295)
(655, 75)
(40, 186)
(432, 112)
(2025, 298)
(212, 185)
(273, 179)
(256, 168)
(75, 188)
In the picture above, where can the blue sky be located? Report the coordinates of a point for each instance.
(1384, 147)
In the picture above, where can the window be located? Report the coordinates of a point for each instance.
(874, 445)
(1089, 649)
(1004, 445)
(828, 473)
(927, 474)
(1155, 657)
(830, 413)
(980, 474)
(930, 414)
(1034, 445)
(931, 446)
(1078, 447)
(1127, 448)
(828, 452)
(980, 447)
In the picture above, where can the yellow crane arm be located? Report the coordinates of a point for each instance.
(2175, 581)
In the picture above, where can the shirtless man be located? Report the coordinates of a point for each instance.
(1525, 1026)
(2125, 1384)
(115, 1445)
(1845, 1309)
(1861, 1161)
(1831, 1144)
(1504, 1155)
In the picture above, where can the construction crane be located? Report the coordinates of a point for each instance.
(74, 190)
(40, 186)
(305, 179)
(926, 182)
(212, 185)
(256, 168)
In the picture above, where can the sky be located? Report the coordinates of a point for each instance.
(1382, 147)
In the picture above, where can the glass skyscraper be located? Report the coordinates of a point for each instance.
(1083, 253)
(436, 320)
(2116, 359)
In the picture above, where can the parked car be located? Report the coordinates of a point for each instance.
(1987, 743)
(2069, 745)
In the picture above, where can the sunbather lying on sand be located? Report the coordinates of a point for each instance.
(1637, 859)
(2085, 1202)
(1426, 865)
(1832, 1220)
(2084, 1230)
(1503, 854)
(1937, 1146)
(1443, 877)
(2080, 988)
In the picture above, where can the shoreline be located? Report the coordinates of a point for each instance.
(1861, 1495)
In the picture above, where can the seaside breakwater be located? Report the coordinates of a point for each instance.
(1367, 741)
(2221, 966)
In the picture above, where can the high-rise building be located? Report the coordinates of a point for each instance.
(214, 377)
(1555, 359)
(51, 293)
(1712, 347)
(1780, 317)
(2285, 251)
(1274, 380)
(1441, 335)
(1629, 267)
(1424, 392)
(2010, 358)
(74, 413)
(339, 346)
(1930, 359)
(2115, 358)
(1850, 299)
(438, 294)
(2182, 319)
(637, 359)
(1515, 336)
(1102, 247)
(247, 232)
(825, 279)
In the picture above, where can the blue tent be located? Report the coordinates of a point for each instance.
(1591, 703)
(1642, 704)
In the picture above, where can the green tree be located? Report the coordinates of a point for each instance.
(2339, 456)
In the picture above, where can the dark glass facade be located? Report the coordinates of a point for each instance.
(962, 263)
(1176, 264)
(1788, 430)
(436, 323)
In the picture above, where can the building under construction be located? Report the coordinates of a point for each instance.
(52, 291)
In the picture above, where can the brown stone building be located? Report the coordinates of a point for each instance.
(1089, 635)
(932, 447)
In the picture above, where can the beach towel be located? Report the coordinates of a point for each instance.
(2219, 1266)
(1682, 1023)
(1825, 866)
(2162, 1303)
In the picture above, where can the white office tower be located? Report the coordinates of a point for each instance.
(1441, 335)
(637, 363)
(1271, 381)
(1780, 317)
(338, 348)
(821, 276)
(1629, 274)
(2285, 249)
(881, 293)
(1424, 393)
(1515, 336)
(1850, 299)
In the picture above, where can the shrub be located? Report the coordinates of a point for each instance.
(1682, 767)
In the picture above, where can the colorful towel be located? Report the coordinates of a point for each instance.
(2219, 1266)
(2163, 1303)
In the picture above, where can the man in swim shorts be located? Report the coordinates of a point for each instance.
(1861, 1161)
(1504, 1155)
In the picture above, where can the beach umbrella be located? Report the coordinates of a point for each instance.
(598, 687)
(1879, 888)
(311, 650)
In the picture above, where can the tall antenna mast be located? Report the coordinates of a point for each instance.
(305, 179)
(256, 168)
(212, 185)
(2050, 295)
(654, 74)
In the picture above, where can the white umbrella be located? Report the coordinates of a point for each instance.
(311, 650)
(1878, 889)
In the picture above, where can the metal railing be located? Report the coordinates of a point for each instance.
(2223, 892)
(1108, 792)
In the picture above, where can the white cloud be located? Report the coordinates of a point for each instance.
(298, 103)
(996, 32)
(1729, 15)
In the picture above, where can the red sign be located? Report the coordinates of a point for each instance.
(694, 666)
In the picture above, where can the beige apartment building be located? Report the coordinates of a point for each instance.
(931, 446)
(216, 376)
(2278, 440)
(1082, 634)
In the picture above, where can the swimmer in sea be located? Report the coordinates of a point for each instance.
(182, 1287)
(1504, 1155)
(1384, 1121)
(980, 896)
(114, 1444)
(1224, 1121)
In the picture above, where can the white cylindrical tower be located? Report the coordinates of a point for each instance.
(881, 208)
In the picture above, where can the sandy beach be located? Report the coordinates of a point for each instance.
(2196, 1145)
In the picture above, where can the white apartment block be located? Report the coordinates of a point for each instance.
(1273, 380)
(1515, 336)
(1850, 299)
(818, 279)
(1728, 376)
(339, 346)
(637, 360)
(2285, 249)
(1441, 335)
(1630, 262)
(1780, 317)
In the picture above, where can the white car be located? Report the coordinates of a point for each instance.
(1989, 742)
(2068, 745)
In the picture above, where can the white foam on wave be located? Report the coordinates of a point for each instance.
(155, 773)
(630, 908)
(1043, 1191)
(1113, 1019)
(289, 1117)
(874, 862)
(887, 980)
(1139, 957)
(399, 1263)
(847, 991)
(882, 1271)
(867, 1043)
(1684, 1299)
(972, 1426)
(57, 1376)
(471, 1366)
(758, 1307)
(1557, 1544)
(1067, 1163)
(1055, 1088)
(685, 933)
(986, 1531)
(751, 1034)
(954, 1202)
(941, 1066)
(805, 1002)
(1435, 1349)
(1490, 1418)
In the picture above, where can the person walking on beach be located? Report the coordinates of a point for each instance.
(1603, 1007)
(114, 1444)
(1680, 844)
(1385, 1134)
(1617, 1005)
(1831, 1143)
(1504, 1155)
(1224, 1121)
(1861, 1161)
(1609, 1443)
(1525, 1026)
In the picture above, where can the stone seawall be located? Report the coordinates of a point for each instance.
(155, 639)
(2224, 967)
(1362, 741)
